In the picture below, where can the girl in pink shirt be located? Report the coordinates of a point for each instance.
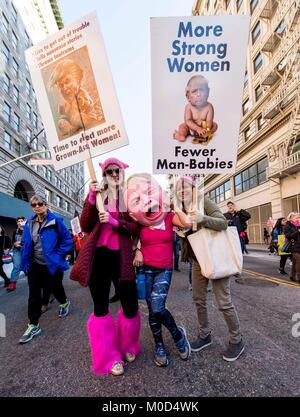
(146, 203)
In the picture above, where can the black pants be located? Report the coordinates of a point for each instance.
(283, 259)
(106, 268)
(2, 273)
(40, 278)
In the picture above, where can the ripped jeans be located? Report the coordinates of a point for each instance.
(158, 282)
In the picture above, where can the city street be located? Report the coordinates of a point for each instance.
(57, 363)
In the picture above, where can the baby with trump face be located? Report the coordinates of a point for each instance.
(145, 200)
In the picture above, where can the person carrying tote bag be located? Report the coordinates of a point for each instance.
(213, 220)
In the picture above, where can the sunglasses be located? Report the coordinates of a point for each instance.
(33, 205)
(111, 171)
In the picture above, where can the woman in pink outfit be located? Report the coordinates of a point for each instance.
(107, 253)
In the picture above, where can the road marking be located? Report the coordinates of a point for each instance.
(270, 278)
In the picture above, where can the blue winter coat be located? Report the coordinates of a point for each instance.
(56, 243)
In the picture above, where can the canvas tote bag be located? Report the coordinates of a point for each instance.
(219, 253)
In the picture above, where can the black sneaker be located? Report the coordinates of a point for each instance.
(200, 344)
(30, 333)
(160, 355)
(234, 351)
(183, 345)
(282, 271)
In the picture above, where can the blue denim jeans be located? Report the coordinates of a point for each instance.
(17, 262)
(158, 282)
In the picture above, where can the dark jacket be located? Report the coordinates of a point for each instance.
(90, 224)
(292, 232)
(238, 219)
(56, 243)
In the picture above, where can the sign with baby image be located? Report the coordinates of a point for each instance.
(198, 69)
(76, 94)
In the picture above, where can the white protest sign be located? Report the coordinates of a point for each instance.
(198, 68)
(75, 225)
(76, 94)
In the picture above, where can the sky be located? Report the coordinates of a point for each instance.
(125, 27)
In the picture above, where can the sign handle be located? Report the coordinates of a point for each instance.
(93, 178)
(194, 205)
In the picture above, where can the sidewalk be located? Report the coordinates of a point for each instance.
(258, 247)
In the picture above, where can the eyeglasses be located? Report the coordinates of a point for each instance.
(39, 204)
(111, 171)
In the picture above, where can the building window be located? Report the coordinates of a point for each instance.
(67, 206)
(7, 140)
(16, 122)
(245, 107)
(251, 177)
(58, 201)
(14, 14)
(6, 112)
(258, 92)
(257, 62)
(238, 4)
(262, 170)
(34, 144)
(16, 95)
(17, 147)
(27, 40)
(246, 78)
(255, 32)
(15, 68)
(6, 83)
(5, 54)
(28, 135)
(14, 40)
(28, 87)
(35, 119)
(48, 194)
(49, 175)
(5, 24)
(221, 193)
(281, 27)
(253, 4)
(247, 134)
(28, 111)
(260, 122)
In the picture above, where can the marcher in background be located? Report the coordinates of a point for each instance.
(212, 219)
(45, 244)
(16, 242)
(292, 233)
(5, 246)
(277, 231)
(238, 218)
(107, 254)
(266, 236)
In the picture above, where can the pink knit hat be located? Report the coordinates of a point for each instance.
(112, 161)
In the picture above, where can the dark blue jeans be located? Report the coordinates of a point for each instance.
(158, 282)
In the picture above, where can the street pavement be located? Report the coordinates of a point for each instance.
(58, 362)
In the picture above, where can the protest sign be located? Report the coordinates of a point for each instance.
(75, 94)
(75, 225)
(198, 67)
